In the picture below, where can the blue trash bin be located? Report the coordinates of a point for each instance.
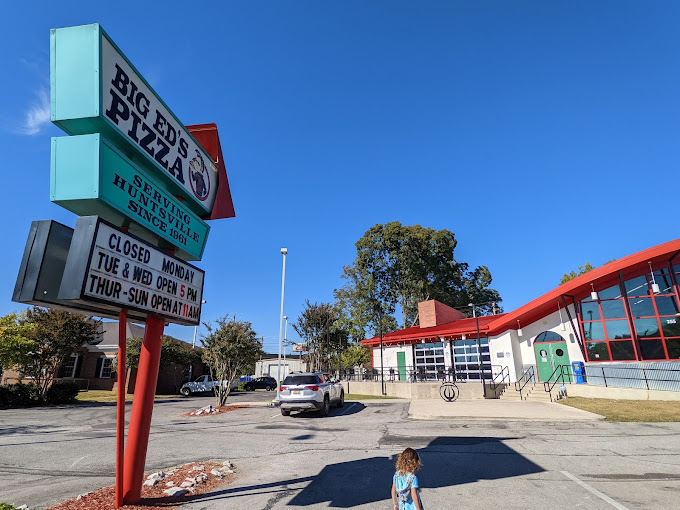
(579, 369)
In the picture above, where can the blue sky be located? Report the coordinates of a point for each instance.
(544, 134)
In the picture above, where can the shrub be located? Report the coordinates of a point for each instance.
(7, 506)
(19, 395)
(61, 393)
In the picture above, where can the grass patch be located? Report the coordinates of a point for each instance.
(358, 396)
(108, 396)
(628, 410)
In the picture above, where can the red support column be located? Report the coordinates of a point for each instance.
(120, 409)
(142, 407)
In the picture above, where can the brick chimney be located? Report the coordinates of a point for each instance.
(433, 313)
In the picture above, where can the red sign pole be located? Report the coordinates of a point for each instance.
(120, 407)
(142, 407)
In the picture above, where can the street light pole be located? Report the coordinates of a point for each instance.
(285, 339)
(479, 348)
(193, 346)
(284, 252)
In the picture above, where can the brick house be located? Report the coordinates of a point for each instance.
(92, 366)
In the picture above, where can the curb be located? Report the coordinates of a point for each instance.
(499, 418)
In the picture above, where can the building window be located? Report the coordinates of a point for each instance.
(104, 368)
(68, 369)
(655, 319)
(430, 359)
(466, 358)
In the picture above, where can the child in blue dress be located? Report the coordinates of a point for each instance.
(405, 482)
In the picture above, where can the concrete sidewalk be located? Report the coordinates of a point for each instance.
(493, 409)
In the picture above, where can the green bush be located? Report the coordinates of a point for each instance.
(19, 395)
(61, 393)
(7, 506)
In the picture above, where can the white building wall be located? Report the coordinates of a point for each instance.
(269, 367)
(504, 352)
(390, 360)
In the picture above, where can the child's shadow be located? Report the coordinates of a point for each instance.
(447, 461)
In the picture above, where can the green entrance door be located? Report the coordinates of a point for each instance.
(401, 365)
(549, 355)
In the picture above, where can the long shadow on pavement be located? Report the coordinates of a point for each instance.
(447, 461)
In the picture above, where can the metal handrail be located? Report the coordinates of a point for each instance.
(503, 374)
(526, 378)
(550, 384)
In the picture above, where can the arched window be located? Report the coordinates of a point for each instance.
(548, 336)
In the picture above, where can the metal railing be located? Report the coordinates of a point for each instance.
(527, 377)
(408, 374)
(561, 374)
(500, 377)
(664, 375)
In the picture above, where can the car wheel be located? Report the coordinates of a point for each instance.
(326, 407)
(268, 388)
(248, 388)
(285, 412)
(341, 402)
(185, 391)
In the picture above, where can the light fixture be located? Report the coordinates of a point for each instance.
(463, 337)
(422, 341)
(519, 329)
(593, 294)
(563, 327)
(655, 286)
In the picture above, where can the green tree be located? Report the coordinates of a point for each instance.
(573, 274)
(176, 356)
(230, 349)
(355, 355)
(16, 345)
(398, 266)
(325, 339)
(44, 339)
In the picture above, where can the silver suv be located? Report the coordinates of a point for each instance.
(310, 391)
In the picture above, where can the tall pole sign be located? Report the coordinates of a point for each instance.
(143, 186)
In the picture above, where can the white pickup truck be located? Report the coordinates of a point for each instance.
(202, 384)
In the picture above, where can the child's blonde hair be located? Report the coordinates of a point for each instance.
(408, 461)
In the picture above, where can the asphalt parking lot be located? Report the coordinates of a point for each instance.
(346, 460)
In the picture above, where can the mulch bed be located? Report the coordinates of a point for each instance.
(152, 497)
(216, 410)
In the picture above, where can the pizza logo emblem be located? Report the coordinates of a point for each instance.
(198, 176)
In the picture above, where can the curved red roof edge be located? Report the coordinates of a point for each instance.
(579, 287)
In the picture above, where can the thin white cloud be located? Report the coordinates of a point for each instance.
(38, 114)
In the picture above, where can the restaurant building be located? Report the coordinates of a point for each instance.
(622, 312)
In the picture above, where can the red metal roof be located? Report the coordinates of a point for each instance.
(579, 287)
(544, 305)
(416, 333)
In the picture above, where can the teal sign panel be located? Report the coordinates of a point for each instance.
(89, 176)
(95, 89)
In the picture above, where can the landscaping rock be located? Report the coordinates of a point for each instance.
(151, 482)
(175, 491)
(170, 484)
(217, 473)
(198, 468)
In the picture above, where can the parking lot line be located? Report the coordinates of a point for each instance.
(587, 487)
